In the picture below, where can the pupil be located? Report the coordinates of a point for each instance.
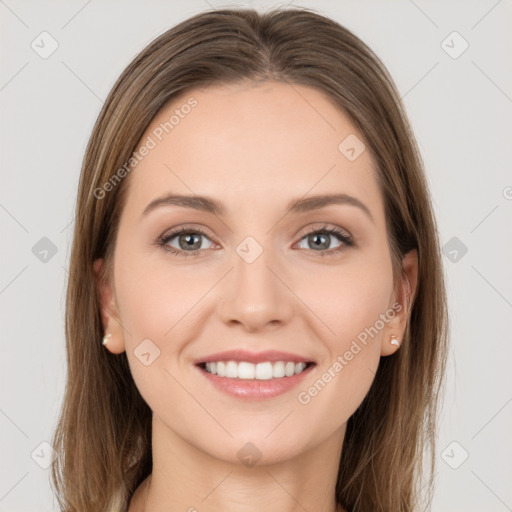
(189, 241)
(325, 245)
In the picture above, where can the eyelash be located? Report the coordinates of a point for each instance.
(341, 236)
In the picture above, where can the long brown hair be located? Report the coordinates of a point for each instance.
(103, 434)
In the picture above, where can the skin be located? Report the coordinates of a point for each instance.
(254, 148)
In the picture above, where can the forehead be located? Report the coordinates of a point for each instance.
(252, 145)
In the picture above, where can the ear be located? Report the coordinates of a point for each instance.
(403, 296)
(109, 312)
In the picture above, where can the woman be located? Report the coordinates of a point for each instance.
(256, 315)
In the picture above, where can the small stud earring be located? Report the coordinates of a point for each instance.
(394, 341)
(105, 338)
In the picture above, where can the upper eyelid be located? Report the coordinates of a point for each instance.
(184, 229)
(323, 227)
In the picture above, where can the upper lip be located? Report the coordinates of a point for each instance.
(253, 357)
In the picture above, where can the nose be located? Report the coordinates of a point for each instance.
(256, 295)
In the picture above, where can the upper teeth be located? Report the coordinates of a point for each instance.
(260, 371)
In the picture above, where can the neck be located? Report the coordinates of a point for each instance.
(185, 478)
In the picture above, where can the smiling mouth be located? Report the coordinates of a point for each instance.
(244, 370)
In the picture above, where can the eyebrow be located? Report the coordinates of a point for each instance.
(209, 205)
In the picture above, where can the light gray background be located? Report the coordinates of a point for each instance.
(460, 109)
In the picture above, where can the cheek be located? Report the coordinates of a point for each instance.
(350, 297)
(157, 303)
(167, 304)
(154, 294)
(352, 305)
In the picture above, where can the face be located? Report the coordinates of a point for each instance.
(275, 285)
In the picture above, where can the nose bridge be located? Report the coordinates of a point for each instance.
(256, 296)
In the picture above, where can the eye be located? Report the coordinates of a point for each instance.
(189, 241)
(319, 240)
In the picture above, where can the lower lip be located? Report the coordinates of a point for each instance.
(255, 389)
